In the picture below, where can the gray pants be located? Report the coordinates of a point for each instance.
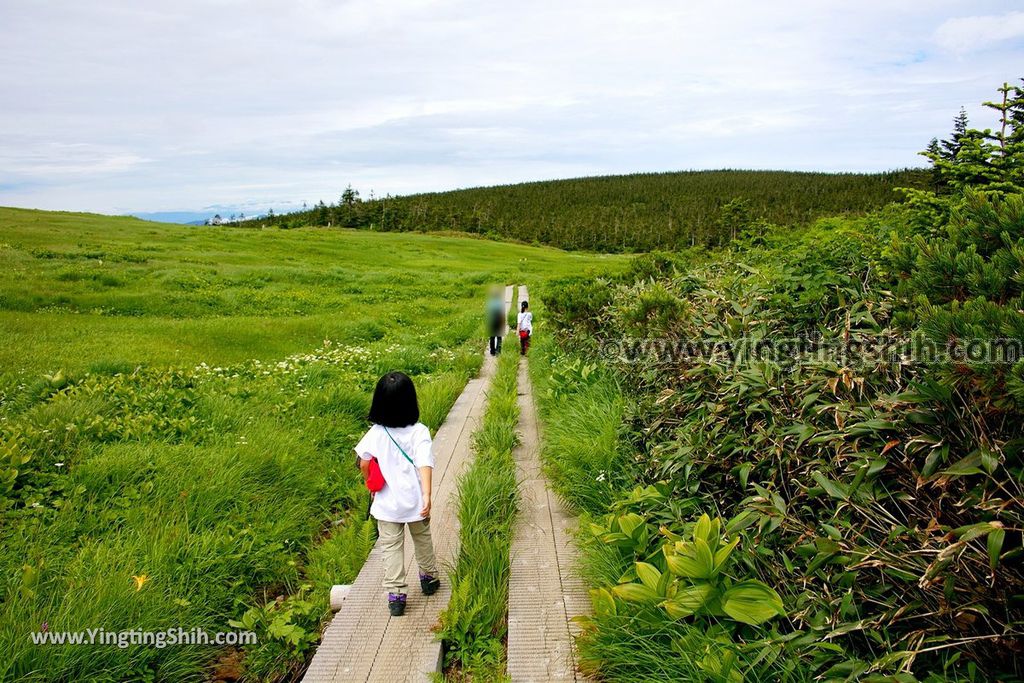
(392, 542)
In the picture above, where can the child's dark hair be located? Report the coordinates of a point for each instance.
(394, 401)
(524, 305)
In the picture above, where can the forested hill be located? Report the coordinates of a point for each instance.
(637, 212)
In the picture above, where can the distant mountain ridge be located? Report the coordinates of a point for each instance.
(636, 212)
(184, 217)
(200, 217)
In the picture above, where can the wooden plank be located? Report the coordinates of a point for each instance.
(544, 590)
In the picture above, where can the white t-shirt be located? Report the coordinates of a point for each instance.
(525, 321)
(401, 499)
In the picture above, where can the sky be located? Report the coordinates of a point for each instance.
(128, 106)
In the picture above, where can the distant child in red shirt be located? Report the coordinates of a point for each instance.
(524, 323)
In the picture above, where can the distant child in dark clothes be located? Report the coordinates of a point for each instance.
(496, 321)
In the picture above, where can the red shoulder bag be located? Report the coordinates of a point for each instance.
(375, 480)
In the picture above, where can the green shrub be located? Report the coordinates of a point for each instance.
(576, 302)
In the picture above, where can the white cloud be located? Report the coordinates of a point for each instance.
(120, 106)
(968, 34)
(47, 159)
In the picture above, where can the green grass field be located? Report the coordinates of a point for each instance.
(174, 294)
(177, 410)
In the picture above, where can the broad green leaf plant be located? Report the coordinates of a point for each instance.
(688, 578)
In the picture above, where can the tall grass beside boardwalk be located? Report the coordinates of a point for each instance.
(475, 624)
(512, 317)
(242, 522)
(582, 410)
(586, 448)
(582, 414)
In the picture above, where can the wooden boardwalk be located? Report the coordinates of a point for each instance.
(544, 590)
(363, 642)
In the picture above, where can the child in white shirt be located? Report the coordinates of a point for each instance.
(401, 445)
(524, 323)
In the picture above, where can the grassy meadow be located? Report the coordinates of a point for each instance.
(177, 410)
(182, 295)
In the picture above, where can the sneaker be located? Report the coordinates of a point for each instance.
(396, 604)
(429, 584)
